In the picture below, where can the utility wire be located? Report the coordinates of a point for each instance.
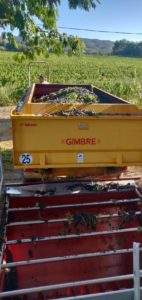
(96, 30)
(101, 31)
(92, 30)
(87, 29)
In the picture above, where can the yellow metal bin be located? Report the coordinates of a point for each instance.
(112, 137)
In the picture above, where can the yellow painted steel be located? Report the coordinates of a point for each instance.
(113, 137)
(45, 109)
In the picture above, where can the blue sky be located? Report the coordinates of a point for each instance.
(113, 15)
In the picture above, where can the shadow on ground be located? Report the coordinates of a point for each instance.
(5, 130)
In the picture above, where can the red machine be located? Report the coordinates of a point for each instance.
(66, 239)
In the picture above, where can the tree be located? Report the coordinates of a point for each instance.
(127, 48)
(25, 15)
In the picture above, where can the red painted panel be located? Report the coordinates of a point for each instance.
(78, 269)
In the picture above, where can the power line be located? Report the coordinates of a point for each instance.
(94, 30)
(100, 31)
(87, 29)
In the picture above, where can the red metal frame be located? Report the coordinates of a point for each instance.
(108, 236)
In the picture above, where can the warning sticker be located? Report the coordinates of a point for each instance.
(80, 158)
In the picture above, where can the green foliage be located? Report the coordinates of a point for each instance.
(25, 16)
(139, 229)
(127, 48)
(96, 46)
(7, 158)
(88, 99)
(119, 76)
(85, 4)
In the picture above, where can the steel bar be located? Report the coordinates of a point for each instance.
(62, 220)
(4, 234)
(136, 270)
(1, 174)
(36, 222)
(75, 205)
(60, 237)
(65, 285)
(37, 62)
(67, 257)
(111, 295)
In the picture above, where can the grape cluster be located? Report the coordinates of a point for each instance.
(70, 95)
(74, 112)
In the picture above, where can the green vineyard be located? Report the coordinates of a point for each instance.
(117, 75)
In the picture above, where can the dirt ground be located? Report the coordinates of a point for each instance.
(6, 145)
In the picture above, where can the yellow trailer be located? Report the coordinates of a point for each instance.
(110, 138)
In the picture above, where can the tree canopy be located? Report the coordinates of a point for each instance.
(25, 15)
(127, 48)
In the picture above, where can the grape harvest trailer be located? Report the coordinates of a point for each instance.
(71, 144)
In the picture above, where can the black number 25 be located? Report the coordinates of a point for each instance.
(25, 159)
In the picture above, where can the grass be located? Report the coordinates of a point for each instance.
(119, 76)
(7, 158)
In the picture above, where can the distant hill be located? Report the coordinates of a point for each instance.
(95, 46)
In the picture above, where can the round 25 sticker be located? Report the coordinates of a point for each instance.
(25, 159)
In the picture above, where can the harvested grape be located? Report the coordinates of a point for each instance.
(74, 112)
(70, 95)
